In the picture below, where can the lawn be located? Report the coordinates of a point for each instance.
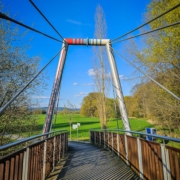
(87, 123)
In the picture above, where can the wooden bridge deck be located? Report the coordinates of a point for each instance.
(86, 161)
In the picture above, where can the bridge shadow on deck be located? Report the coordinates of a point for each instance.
(90, 162)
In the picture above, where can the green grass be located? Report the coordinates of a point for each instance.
(88, 123)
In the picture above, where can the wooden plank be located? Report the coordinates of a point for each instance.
(37, 161)
(7, 170)
(148, 159)
(156, 165)
(34, 163)
(144, 159)
(136, 163)
(156, 157)
(11, 176)
(145, 167)
(161, 174)
(41, 158)
(21, 164)
(176, 165)
(142, 150)
(16, 167)
(130, 152)
(172, 169)
(2, 171)
(151, 170)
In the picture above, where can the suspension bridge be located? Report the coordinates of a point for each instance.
(117, 154)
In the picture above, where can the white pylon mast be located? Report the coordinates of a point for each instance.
(56, 89)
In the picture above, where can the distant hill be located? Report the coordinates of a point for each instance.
(59, 109)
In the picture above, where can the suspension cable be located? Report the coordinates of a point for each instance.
(163, 27)
(146, 75)
(46, 18)
(3, 16)
(142, 25)
(23, 88)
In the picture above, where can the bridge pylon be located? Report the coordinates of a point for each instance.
(59, 72)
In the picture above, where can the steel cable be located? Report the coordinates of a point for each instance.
(163, 27)
(146, 75)
(23, 88)
(3, 16)
(174, 7)
(46, 18)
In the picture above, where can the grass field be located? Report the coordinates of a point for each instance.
(88, 123)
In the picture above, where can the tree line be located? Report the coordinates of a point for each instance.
(89, 106)
(16, 69)
(159, 57)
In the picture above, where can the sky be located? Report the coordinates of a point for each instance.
(75, 19)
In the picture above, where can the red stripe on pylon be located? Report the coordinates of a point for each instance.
(69, 40)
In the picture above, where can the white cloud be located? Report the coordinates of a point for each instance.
(75, 84)
(80, 94)
(121, 76)
(91, 72)
(77, 22)
(40, 97)
(74, 22)
(88, 84)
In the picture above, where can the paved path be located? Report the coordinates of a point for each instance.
(90, 162)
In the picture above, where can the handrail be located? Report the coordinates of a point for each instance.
(146, 134)
(6, 146)
(148, 159)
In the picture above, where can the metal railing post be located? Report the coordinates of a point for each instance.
(94, 137)
(140, 158)
(104, 139)
(64, 145)
(112, 142)
(90, 132)
(44, 160)
(59, 147)
(54, 149)
(25, 164)
(108, 140)
(165, 162)
(126, 147)
(100, 138)
(66, 142)
(118, 144)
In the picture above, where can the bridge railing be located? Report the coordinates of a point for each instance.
(34, 161)
(150, 160)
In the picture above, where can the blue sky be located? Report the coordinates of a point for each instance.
(75, 18)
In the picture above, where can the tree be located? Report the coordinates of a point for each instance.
(112, 111)
(89, 106)
(160, 58)
(68, 113)
(43, 111)
(16, 69)
(101, 78)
